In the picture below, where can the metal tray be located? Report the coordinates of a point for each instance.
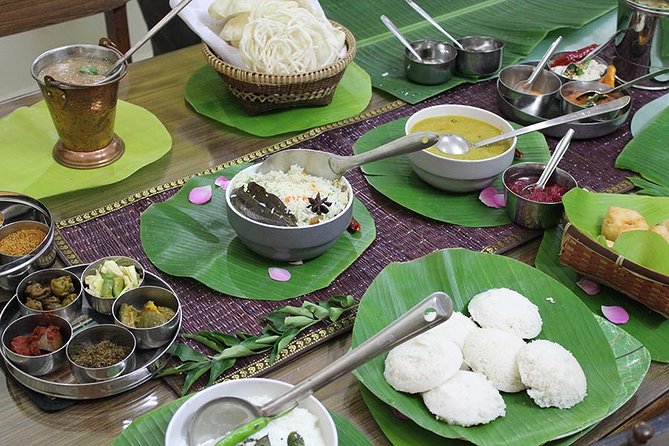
(61, 383)
(582, 130)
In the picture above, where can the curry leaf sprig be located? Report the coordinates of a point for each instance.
(279, 329)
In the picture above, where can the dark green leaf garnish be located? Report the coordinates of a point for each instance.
(88, 69)
(295, 439)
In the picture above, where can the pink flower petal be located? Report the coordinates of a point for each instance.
(617, 315)
(279, 274)
(491, 198)
(200, 195)
(589, 286)
(222, 182)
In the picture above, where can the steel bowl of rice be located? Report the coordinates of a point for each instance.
(288, 216)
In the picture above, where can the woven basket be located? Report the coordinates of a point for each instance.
(258, 93)
(585, 255)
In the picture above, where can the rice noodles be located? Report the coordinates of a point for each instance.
(282, 37)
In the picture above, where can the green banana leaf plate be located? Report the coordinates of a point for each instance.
(209, 96)
(650, 328)
(149, 429)
(462, 274)
(632, 362)
(395, 179)
(521, 24)
(586, 210)
(187, 240)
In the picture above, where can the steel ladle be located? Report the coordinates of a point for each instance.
(456, 145)
(228, 413)
(396, 32)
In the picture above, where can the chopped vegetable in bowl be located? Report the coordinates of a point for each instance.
(112, 279)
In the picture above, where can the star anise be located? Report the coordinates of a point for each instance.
(319, 205)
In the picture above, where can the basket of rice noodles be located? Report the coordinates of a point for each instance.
(294, 56)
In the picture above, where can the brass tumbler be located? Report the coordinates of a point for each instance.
(82, 113)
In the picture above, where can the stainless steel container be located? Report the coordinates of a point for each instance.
(577, 87)
(481, 56)
(68, 312)
(93, 335)
(104, 304)
(545, 88)
(643, 47)
(436, 67)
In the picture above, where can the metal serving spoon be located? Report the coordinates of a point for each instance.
(396, 32)
(526, 85)
(457, 145)
(592, 54)
(331, 167)
(434, 23)
(597, 95)
(228, 413)
(553, 162)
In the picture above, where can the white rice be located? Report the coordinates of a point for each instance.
(591, 72)
(295, 187)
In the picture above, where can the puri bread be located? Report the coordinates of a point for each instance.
(419, 365)
(493, 353)
(507, 310)
(455, 329)
(553, 376)
(466, 399)
(618, 220)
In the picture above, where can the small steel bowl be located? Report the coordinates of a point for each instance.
(437, 64)
(528, 213)
(576, 87)
(547, 85)
(16, 226)
(93, 335)
(42, 364)
(565, 79)
(481, 56)
(103, 305)
(155, 336)
(69, 312)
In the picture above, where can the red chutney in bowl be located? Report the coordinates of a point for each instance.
(552, 193)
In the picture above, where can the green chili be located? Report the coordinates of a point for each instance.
(243, 432)
(119, 284)
(107, 285)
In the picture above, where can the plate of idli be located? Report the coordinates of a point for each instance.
(522, 361)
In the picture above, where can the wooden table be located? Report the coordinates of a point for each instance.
(157, 85)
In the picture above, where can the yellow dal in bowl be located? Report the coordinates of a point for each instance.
(471, 129)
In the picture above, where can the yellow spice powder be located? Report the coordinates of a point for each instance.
(21, 242)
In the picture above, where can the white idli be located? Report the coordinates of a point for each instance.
(493, 352)
(418, 366)
(466, 399)
(507, 310)
(553, 376)
(455, 329)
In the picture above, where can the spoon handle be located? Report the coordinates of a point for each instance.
(432, 22)
(431, 311)
(553, 162)
(396, 32)
(637, 80)
(401, 146)
(597, 110)
(543, 61)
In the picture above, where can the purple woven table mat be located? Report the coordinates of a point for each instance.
(401, 234)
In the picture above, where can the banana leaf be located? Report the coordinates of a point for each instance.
(586, 211)
(150, 428)
(209, 96)
(650, 328)
(395, 179)
(187, 240)
(462, 274)
(519, 23)
(647, 113)
(648, 187)
(646, 153)
(632, 362)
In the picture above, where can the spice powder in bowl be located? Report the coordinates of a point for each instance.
(102, 354)
(21, 242)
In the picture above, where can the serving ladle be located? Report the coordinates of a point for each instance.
(434, 23)
(553, 162)
(226, 414)
(456, 145)
(331, 167)
(597, 95)
(526, 85)
(398, 34)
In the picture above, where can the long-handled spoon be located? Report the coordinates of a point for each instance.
(229, 413)
(157, 27)
(456, 145)
(434, 23)
(591, 55)
(597, 95)
(396, 32)
(554, 160)
(526, 85)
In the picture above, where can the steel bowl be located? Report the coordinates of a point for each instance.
(547, 86)
(154, 336)
(565, 79)
(104, 304)
(42, 364)
(576, 87)
(481, 56)
(93, 335)
(436, 67)
(528, 213)
(69, 312)
(16, 226)
(16, 207)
